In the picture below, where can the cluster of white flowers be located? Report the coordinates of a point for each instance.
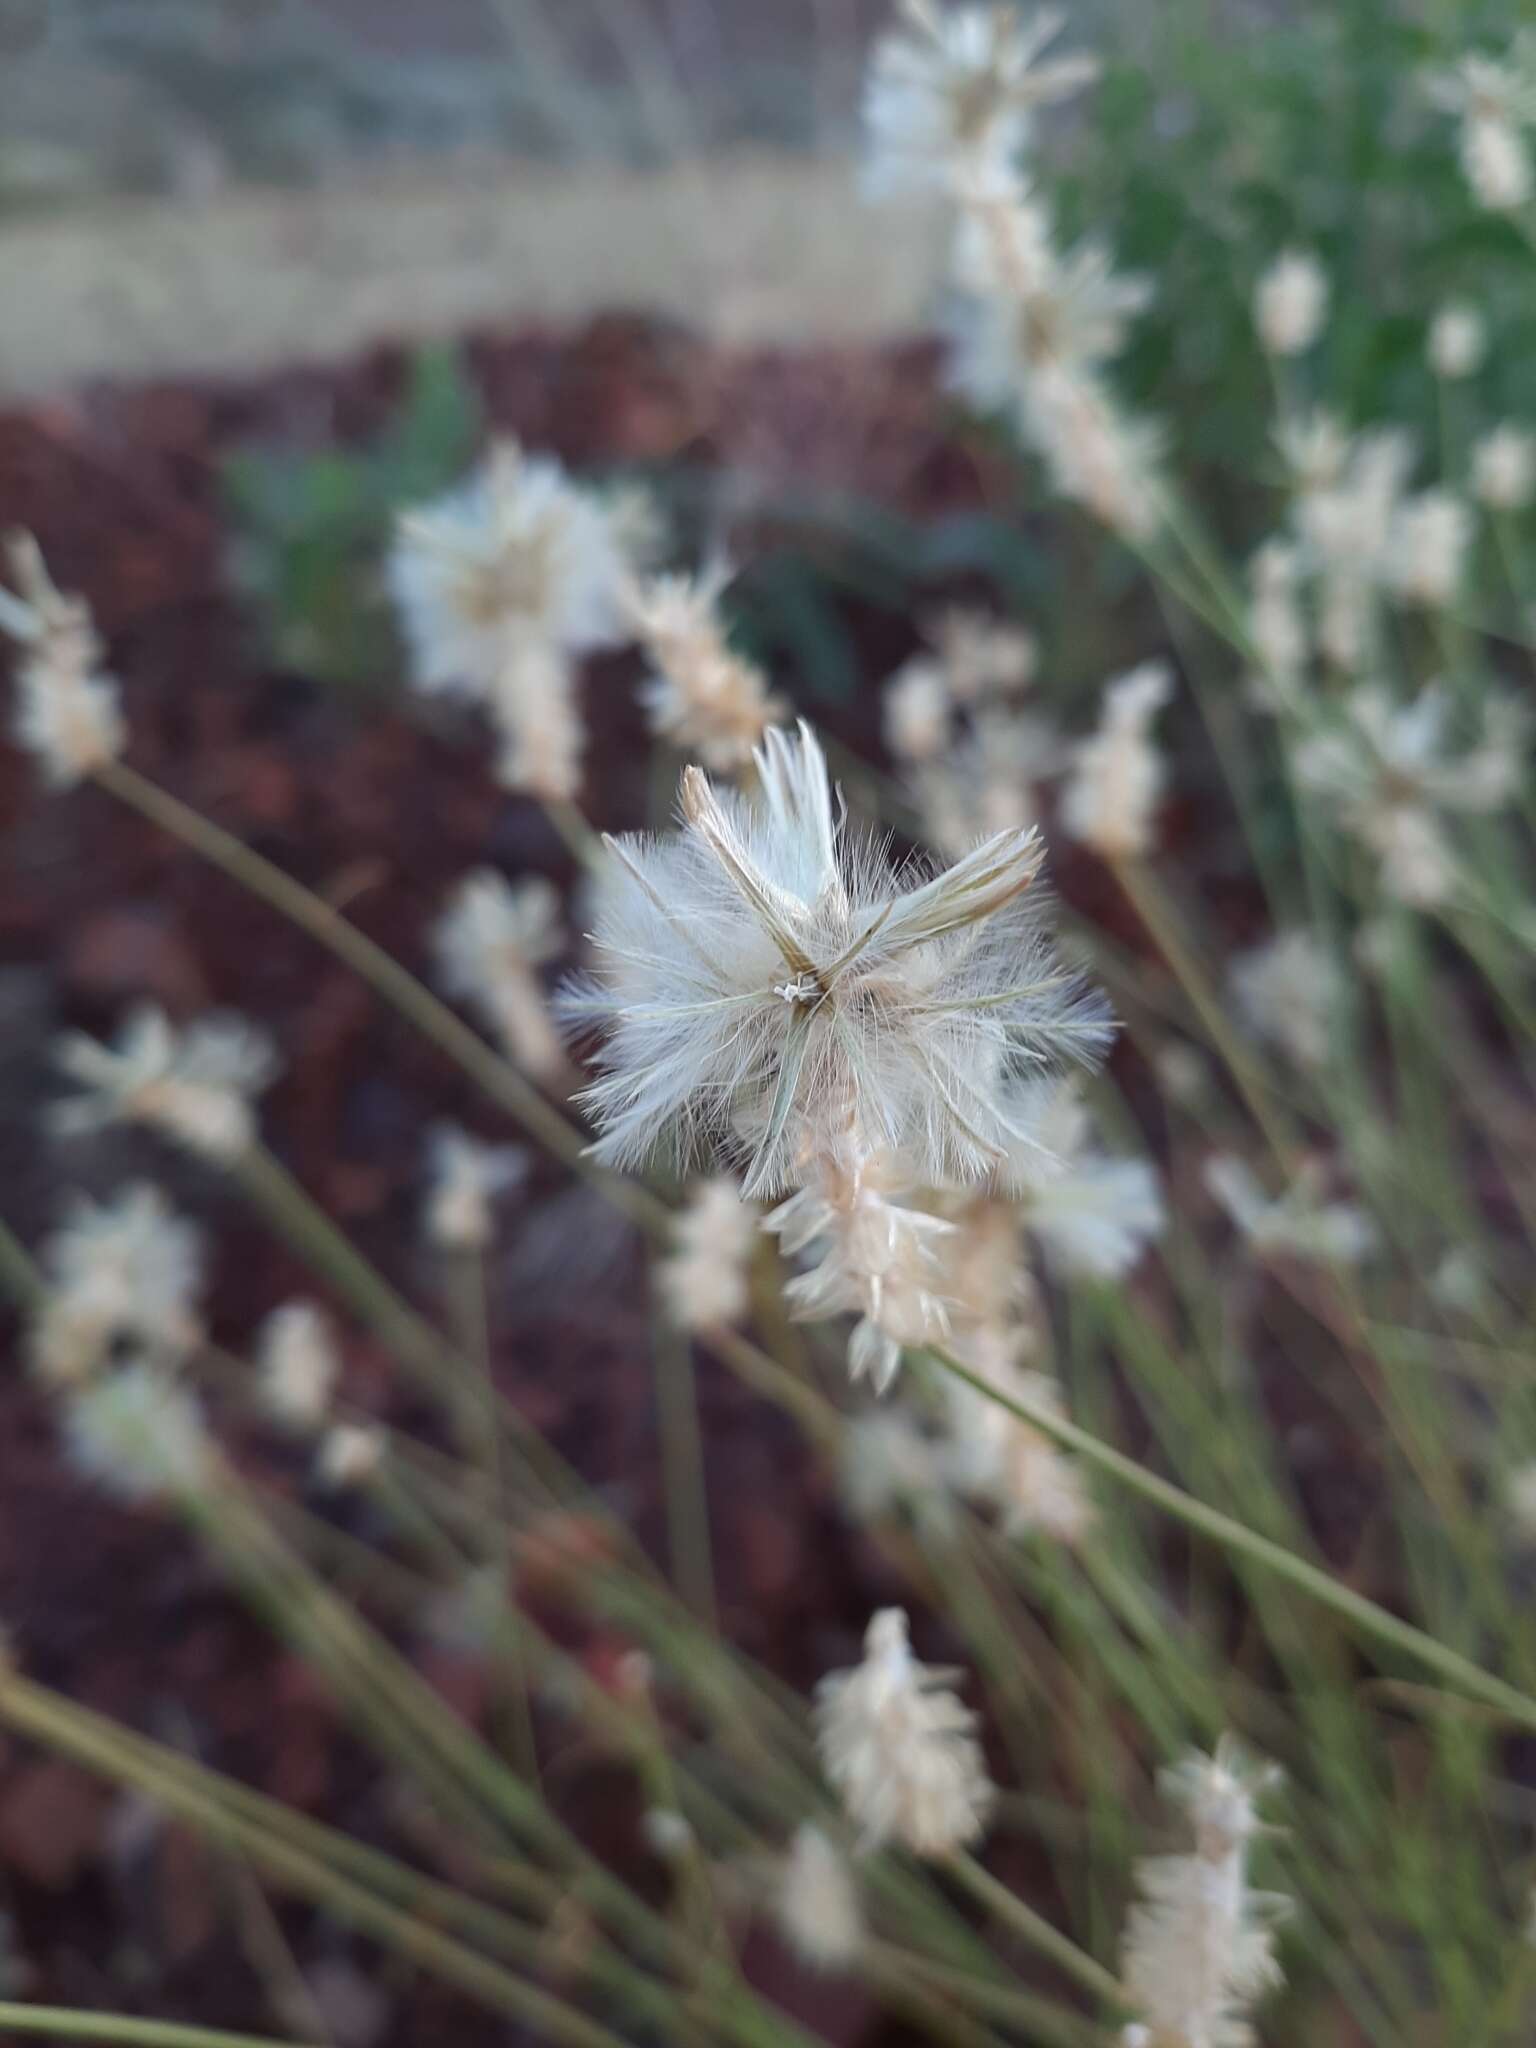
(949, 95)
(123, 1273)
(899, 1747)
(771, 987)
(500, 586)
(1495, 101)
(1298, 1224)
(1199, 1941)
(704, 697)
(705, 1280)
(1290, 303)
(491, 940)
(194, 1085)
(67, 709)
(297, 1364)
(466, 1176)
(1389, 774)
(1116, 775)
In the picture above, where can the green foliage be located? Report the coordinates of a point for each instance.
(310, 525)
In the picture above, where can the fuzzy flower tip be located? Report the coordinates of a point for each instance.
(900, 1748)
(1290, 303)
(816, 1902)
(140, 1435)
(297, 1364)
(950, 93)
(1110, 798)
(124, 1272)
(704, 1281)
(466, 1177)
(67, 710)
(771, 986)
(491, 940)
(194, 1085)
(1199, 1941)
(703, 697)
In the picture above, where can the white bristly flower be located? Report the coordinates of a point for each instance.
(125, 1271)
(899, 1748)
(499, 585)
(1458, 341)
(349, 1455)
(1110, 799)
(816, 1902)
(1495, 99)
(1289, 990)
(194, 1085)
(1199, 1941)
(1504, 468)
(703, 697)
(981, 657)
(466, 1176)
(1290, 303)
(297, 1363)
(915, 708)
(950, 93)
(1389, 773)
(1427, 548)
(1092, 1213)
(770, 986)
(704, 1280)
(1297, 1224)
(139, 1434)
(67, 710)
(490, 942)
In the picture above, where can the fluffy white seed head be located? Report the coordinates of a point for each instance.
(915, 710)
(890, 1464)
(704, 1281)
(1298, 1224)
(67, 710)
(1458, 341)
(1290, 303)
(1092, 1212)
(1199, 1941)
(1504, 468)
(772, 988)
(140, 1435)
(703, 697)
(982, 657)
(195, 1084)
(121, 1272)
(949, 94)
(1110, 799)
(816, 1902)
(1289, 990)
(899, 1747)
(297, 1364)
(350, 1454)
(466, 1176)
(1428, 546)
(490, 941)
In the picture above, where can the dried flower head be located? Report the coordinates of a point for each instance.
(704, 1280)
(1458, 341)
(816, 1902)
(1298, 1223)
(120, 1273)
(950, 93)
(915, 709)
(982, 657)
(771, 985)
(350, 1454)
(466, 1177)
(704, 697)
(1389, 773)
(1289, 989)
(891, 1463)
(1199, 1941)
(1495, 99)
(1504, 468)
(1290, 303)
(1427, 548)
(899, 1748)
(195, 1085)
(1276, 624)
(297, 1363)
(140, 1435)
(1092, 1213)
(491, 940)
(67, 709)
(1110, 799)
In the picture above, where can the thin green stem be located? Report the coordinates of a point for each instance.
(68, 2023)
(1011, 1912)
